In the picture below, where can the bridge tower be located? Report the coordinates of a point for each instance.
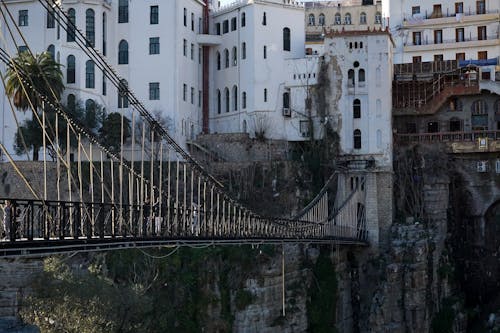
(360, 72)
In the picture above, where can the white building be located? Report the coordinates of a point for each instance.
(433, 31)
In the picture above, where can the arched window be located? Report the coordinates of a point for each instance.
(264, 19)
(362, 18)
(479, 117)
(361, 77)
(243, 50)
(243, 20)
(52, 50)
(219, 102)
(218, 60)
(312, 20)
(321, 19)
(123, 52)
(356, 108)
(90, 27)
(89, 74)
(265, 51)
(357, 139)
(479, 107)
(244, 100)
(70, 35)
(286, 39)
(70, 69)
(286, 101)
(378, 18)
(350, 78)
(122, 11)
(122, 94)
(104, 33)
(347, 19)
(235, 56)
(71, 103)
(226, 94)
(235, 98)
(226, 58)
(89, 105)
(338, 19)
(90, 113)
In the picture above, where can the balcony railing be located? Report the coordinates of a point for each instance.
(417, 18)
(454, 41)
(447, 137)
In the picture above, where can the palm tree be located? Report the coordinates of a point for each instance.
(43, 73)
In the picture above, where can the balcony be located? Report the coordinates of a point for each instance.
(423, 21)
(457, 142)
(429, 45)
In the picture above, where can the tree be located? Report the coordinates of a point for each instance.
(44, 75)
(111, 131)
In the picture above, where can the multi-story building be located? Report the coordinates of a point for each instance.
(436, 31)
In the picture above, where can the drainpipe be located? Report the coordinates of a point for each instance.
(206, 72)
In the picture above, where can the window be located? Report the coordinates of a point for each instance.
(244, 100)
(312, 20)
(321, 19)
(154, 91)
(70, 36)
(286, 100)
(417, 59)
(481, 7)
(243, 50)
(123, 94)
(70, 69)
(415, 10)
(243, 19)
(233, 24)
(90, 27)
(218, 61)
(122, 11)
(235, 56)
(71, 102)
(432, 127)
(479, 107)
(235, 98)
(350, 78)
(226, 58)
(438, 57)
(153, 15)
(226, 93)
(51, 20)
(362, 18)
(185, 17)
(378, 18)
(123, 52)
(417, 38)
(192, 51)
(52, 50)
(265, 95)
(104, 90)
(154, 45)
(361, 77)
(347, 19)
(104, 33)
(455, 125)
(90, 109)
(481, 33)
(356, 109)
(286, 39)
(436, 11)
(459, 35)
(455, 104)
(460, 56)
(357, 139)
(23, 18)
(218, 102)
(192, 95)
(225, 27)
(459, 7)
(199, 98)
(184, 47)
(482, 55)
(438, 36)
(184, 92)
(338, 19)
(192, 22)
(89, 74)
(199, 55)
(264, 19)
(217, 28)
(265, 52)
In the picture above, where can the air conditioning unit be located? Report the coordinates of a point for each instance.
(287, 112)
(482, 166)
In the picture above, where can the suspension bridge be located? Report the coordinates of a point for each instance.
(148, 191)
